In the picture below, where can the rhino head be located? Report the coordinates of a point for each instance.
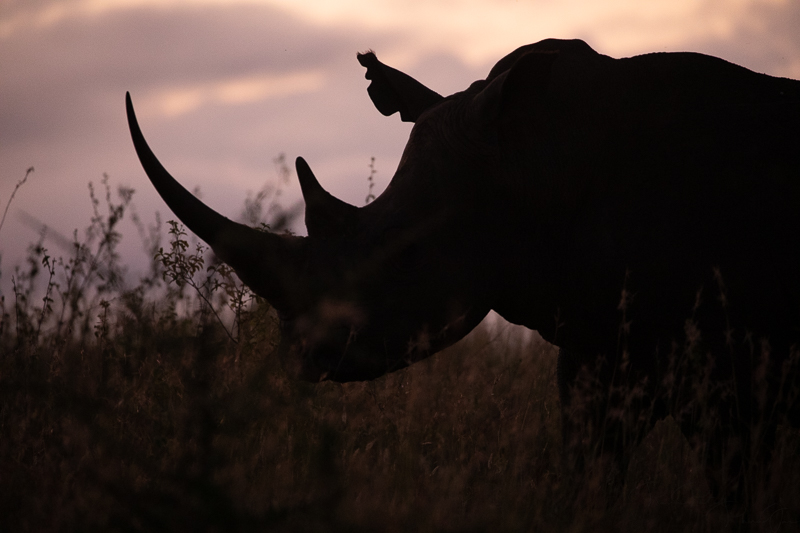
(373, 289)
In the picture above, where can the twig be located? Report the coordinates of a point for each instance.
(19, 184)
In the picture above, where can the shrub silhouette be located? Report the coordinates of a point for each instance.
(163, 407)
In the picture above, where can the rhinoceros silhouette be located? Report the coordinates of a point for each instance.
(643, 214)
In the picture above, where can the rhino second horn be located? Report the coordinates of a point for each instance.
(326, 215)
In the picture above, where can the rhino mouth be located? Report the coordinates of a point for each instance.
(341, 355)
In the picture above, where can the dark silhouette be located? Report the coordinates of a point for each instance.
(643, 214)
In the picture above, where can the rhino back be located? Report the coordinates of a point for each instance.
(649, 173)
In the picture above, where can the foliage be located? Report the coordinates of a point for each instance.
(163, 407)
(180, 270)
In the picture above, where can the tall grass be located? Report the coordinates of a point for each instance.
(163, 407)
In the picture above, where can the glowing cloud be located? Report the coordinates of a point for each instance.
(177, 101)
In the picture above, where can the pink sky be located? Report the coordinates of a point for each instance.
(222, 87)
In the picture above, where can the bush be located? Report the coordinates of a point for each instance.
(163, 407)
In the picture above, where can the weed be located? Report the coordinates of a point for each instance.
(19, 184)
(163, 407)
(371, 181)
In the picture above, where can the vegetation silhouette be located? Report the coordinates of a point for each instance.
(144, 409)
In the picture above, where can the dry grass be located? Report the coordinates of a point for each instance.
(121, 413)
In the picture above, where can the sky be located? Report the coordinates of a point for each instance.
(222, 87)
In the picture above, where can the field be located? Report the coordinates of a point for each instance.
(163, 407)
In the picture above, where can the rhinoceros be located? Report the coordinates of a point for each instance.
(642, 214)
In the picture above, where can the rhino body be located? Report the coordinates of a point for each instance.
(642, 214)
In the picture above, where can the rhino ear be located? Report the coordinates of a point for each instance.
(524, 81)
(326, 215)
(392, 91)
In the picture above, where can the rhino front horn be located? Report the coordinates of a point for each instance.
(268, 263)
(326, 215)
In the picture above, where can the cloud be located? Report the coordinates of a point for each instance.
(222, 87)
(245, 90)
(758, 34)
(210, 51)
(221, 91)
(764, 38)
